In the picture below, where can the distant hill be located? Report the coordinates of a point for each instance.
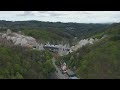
(54, 31)
(100, 60)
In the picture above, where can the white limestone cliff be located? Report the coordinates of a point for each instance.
(19, 39)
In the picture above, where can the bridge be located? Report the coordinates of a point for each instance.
(56, 48)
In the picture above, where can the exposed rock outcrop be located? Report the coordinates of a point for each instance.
(19, 39)
(83, 43)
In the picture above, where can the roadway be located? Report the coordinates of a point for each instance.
(58, 72)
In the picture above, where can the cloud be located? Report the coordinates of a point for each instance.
(56, 14)
(42, 13)
(63, 16)
(25, 13)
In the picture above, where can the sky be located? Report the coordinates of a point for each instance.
(62, 16)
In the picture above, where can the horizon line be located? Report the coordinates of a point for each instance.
(62, 22)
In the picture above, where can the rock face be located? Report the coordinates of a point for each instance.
(83, 43)
(14, 39)
(9, 31)
(19, 39)
(8, 38)
(40, 47)
(4, 35)
(24, 42)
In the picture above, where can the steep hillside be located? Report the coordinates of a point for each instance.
(54, 32)
(100, 60)
(23, 63)
(54, 36)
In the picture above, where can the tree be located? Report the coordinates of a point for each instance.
(18, 76)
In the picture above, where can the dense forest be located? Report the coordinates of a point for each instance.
(54, 32)
(100, 60)
(22, 63)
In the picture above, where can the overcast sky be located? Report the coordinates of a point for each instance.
(62, 16)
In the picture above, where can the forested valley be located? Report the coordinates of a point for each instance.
(100, 60)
